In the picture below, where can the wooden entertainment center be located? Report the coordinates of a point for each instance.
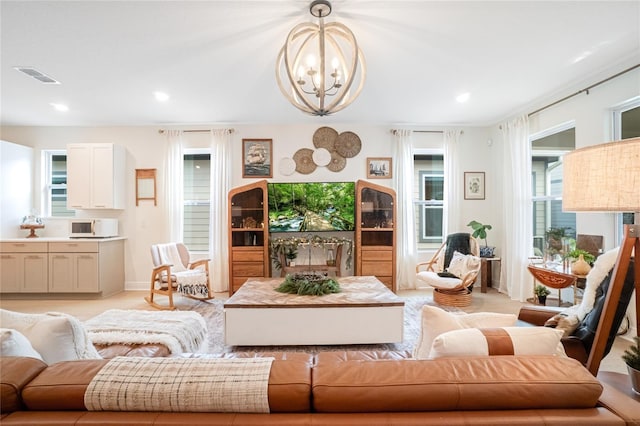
(374, 248)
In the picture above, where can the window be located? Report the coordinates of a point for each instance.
(197, 193)
(429, 200)
(546, 181)
(55, 188)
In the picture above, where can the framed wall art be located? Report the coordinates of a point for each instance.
(474, 185)
(379, 167)
(257, 158)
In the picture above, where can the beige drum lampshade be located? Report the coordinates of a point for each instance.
(603, 178)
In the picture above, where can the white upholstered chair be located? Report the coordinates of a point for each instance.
(174, 272)
(463, 267)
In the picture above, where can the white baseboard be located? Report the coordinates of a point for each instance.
(136, 285)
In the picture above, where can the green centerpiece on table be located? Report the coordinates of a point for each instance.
(308, 284)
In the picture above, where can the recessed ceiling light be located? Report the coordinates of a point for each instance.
(464, 97)
(161, 96)
(59, 107)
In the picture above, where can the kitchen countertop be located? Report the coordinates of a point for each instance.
(58, 239)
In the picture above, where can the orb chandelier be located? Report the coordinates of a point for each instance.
(320, 69)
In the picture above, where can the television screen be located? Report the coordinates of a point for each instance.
(311, 207)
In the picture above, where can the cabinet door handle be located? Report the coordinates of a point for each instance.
(6, 256)
(34, 256)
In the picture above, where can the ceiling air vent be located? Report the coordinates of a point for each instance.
(32, 72)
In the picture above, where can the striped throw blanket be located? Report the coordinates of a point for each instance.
(181, 385)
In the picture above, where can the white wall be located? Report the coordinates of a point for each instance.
(16, 169)
(480, 150)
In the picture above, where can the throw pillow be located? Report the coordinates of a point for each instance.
(478, 342)
(436, 321)
(55, 336)
(14, 343)
(461, 264)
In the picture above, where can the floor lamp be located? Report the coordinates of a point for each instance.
(606, 178)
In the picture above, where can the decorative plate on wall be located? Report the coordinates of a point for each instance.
(338, 162)
(321, 157)
(325, 137)
(287, 166)
(348, 144)
(304, 161)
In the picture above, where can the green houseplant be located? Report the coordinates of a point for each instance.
(480, 231)
(631, 357)
(541, 293)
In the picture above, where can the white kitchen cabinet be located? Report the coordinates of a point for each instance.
(23, 267)
(95, 176)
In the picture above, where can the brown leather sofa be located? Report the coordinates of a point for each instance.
(358, 387)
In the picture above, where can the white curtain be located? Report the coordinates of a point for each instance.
(452, 184)
(517, 244)
(218, 230)
(173, 184)
(406, 257)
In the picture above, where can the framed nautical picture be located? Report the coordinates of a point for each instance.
(474, 185)
(257, 158)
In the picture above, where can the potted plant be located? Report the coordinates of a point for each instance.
(480, 231)
(541, 293)
(631, 357)
(581, 261)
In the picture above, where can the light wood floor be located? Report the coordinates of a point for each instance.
(492, 301)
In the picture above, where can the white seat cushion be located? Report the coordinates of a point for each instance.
(432, 279)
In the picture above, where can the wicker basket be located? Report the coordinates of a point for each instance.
(457, 298)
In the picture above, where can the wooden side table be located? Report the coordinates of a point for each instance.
(486, 264)
(554, 279)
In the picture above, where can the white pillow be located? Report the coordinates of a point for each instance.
(436, 321)
(55, 336)
(461, 264)
(473, 342)
(14, 343)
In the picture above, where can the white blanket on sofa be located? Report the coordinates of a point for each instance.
(180, 331)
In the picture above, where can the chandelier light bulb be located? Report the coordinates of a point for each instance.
(332, 87)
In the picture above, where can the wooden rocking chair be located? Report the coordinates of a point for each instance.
(164, 280)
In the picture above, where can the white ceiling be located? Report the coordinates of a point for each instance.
(217, 59)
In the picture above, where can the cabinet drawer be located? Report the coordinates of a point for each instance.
(73, 247)
(381, 253)
(247, 255)
(17, 247)
(377, 268)
(248, 269)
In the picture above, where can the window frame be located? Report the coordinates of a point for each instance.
(189, 152)
(46, 200)
(423, 205)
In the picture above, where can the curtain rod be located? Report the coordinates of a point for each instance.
(161, 131)
(585, 90)
(424, 131)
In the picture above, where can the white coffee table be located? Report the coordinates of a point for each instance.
(364, 312)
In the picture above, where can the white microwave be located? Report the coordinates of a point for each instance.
(93, 228)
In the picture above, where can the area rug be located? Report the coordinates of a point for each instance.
(212, 311)
(179, 331)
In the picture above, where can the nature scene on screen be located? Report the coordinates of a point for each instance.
(311, 207)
